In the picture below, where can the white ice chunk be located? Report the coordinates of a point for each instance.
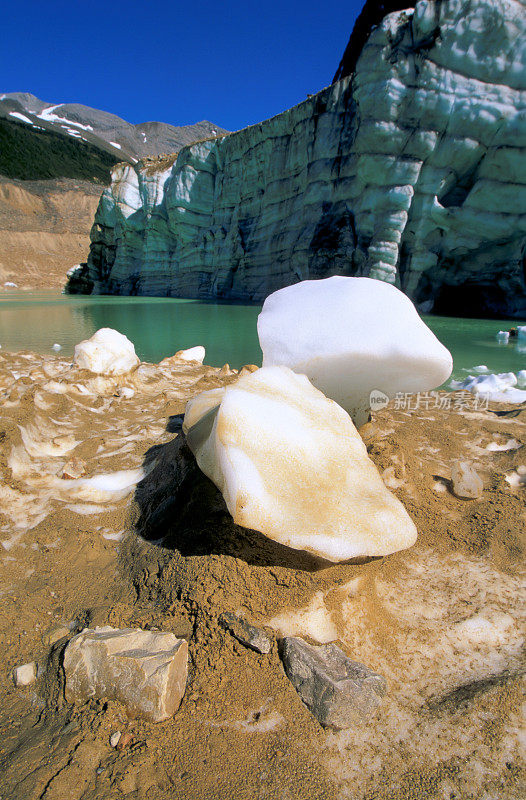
(109, 486)
(196, 353)
(467, 484)
(511, 444)
(200, 405)
(503, 337)
(291, 464)
(498, 387)
(126, 391)
(521, 331)
(351, 336)
(57, 347)
(108, 352)
(478, 370)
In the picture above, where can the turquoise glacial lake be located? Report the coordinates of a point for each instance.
(160, 326)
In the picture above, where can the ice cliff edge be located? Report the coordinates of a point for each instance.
(411, 169)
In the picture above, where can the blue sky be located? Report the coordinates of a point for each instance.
(234, 63)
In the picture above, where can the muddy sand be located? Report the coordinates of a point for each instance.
(441, 621)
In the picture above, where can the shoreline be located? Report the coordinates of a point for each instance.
(439, 620)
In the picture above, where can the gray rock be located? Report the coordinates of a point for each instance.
(246, 633)
(338, 691)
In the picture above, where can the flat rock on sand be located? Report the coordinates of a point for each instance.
(144, 670)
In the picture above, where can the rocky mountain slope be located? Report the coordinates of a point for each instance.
(409, 168)
(106, 131)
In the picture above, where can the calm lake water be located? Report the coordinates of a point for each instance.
(159, 327)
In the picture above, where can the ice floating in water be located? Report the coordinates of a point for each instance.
(57, 347)
(503, 337)
(108, 352)
(351, 336)
(521, 331)
(498, 387)
(479, 369)
(291, 464)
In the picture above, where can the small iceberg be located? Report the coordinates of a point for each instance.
(498, 387)
(354, 338)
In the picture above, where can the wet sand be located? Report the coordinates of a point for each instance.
(443, 621)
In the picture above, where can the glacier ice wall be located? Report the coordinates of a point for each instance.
(411, 170)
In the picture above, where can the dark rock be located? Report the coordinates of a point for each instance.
(338, 691)
(245, 633)
(370, 16)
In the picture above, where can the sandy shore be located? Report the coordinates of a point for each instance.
(441, 621)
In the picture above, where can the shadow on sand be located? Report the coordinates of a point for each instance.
(181, 509)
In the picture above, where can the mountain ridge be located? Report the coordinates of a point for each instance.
(122, 139)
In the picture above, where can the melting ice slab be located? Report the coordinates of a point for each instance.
(351, 336)
(291, 464)
(108, 352)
